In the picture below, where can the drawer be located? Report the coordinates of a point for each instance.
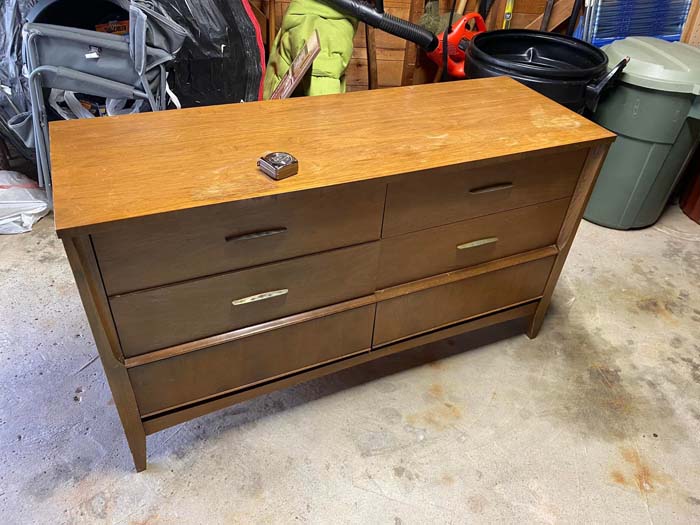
(169, 315)
(178, 380)
(433, 308)
(178, 246)
(465, 243)
(424, 201)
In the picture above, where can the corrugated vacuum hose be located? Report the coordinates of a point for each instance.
(386, 22)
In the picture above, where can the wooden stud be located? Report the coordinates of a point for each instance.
(691, 28)
(372, 78)
(271, 24)
(415, 11)
(561, 11)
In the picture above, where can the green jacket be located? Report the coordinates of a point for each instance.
(335, 31)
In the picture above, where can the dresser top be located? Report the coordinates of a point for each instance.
(112, 169)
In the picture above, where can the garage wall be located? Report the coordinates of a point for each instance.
(390, 49)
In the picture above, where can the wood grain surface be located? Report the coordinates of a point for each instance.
(169, 315)
(167, 419)
(454, 194)
(173, 247)
(116, 168)
(416, 255)
(443, 305)
(178, 380)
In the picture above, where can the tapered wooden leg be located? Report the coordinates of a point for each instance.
(579, 200)
(533, 327)
(137, 445)
(82, 259)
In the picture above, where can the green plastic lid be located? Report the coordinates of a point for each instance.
(657, 64)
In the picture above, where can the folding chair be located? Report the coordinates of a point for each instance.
(115, 67)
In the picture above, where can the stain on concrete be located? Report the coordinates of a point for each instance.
(440, 413)
(60, 475)
(585, 389)
(390, 415)
(477, 503)
(693, 500)
(644, 478)
(676, 342)
(446, 479)
(693, 367)
(148, 520)
(98, 506)
(375, 441)
(403, 472)
(618, 477)
(639, 474)
(251, 484)
(658, 308)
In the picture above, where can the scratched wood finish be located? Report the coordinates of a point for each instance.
(169, 315)
(454, 194)
(173, 247)
(179, 380)
(413, 256)
(171, 160)
(443, 305)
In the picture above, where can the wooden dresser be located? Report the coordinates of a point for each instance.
(418, 213)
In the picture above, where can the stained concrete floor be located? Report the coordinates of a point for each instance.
(595, 421)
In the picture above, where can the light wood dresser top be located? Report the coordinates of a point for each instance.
(118, 168)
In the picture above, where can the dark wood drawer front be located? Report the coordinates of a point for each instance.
(450, 303)
(190, 377)
(204, 241)
(166, 316)
(416, 255)
(442, 198)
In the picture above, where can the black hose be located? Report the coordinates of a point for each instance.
(386, 22)
(445, 34)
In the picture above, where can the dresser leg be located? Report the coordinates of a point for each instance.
(533, 327)
(87, 276)
(579, 199)
(137, 445)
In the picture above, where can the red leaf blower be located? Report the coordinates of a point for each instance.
(457, 43)
(457, 39)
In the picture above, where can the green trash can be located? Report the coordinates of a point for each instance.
(653, 110)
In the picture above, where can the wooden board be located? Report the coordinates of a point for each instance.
(174, 160)
(691, 29)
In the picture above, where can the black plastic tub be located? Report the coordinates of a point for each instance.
(563, 68)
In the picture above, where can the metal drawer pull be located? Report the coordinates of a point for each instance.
(478, 242)
(259, 297)
(492, 187)
(255, 235)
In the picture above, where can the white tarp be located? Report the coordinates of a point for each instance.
(22, 202)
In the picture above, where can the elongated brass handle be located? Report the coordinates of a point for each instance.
(478, 242)
(259, 297)
(492, 187)
(255, 235)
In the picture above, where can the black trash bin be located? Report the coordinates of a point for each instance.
(563, 68)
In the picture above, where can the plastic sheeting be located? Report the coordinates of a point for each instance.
(221, 61)
(22, 203)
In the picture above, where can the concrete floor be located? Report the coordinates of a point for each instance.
(595, 421)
